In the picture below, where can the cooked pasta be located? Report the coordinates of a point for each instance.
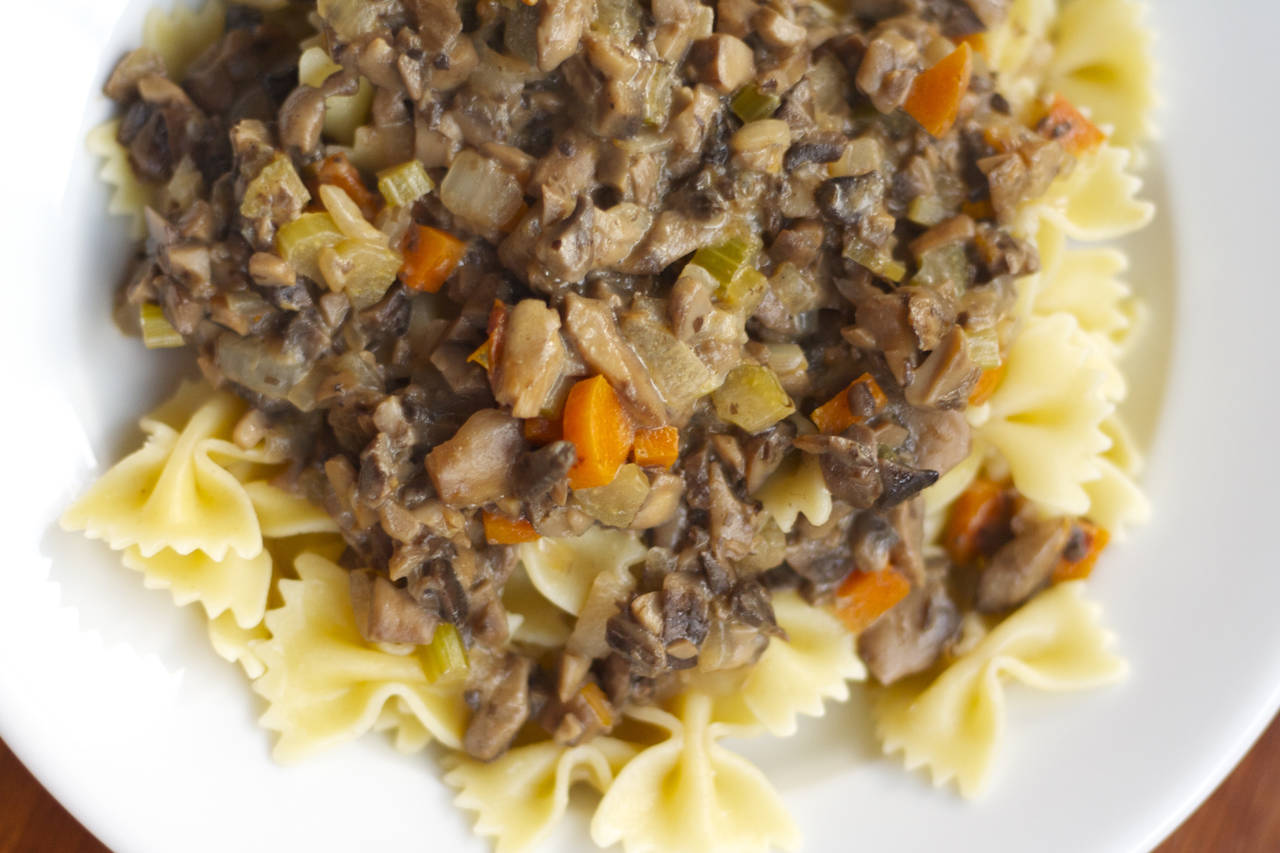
(586, 385)
(954, 724)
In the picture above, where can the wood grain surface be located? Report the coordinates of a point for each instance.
(1243, 815)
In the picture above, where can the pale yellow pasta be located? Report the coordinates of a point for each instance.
(234, 584)
(128, 195)
(1045, 417)
(1097, 200)
(325, 685)
(538, 622)
(181, 33)
(342, 113)
(176, 491)
(408, 734)
(1083, 282)
(1102, 60)
(520, 797)
(233, 643)
(796, 488)
(562, 568)
(953, 725)
(688, 794)
(282, 514)
(1018, 50)
(794, 676)
(1115, 501)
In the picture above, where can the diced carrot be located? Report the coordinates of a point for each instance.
(976, 41)
(978, 522)
(835, 416)
(338, 171)
(601, 432)
(595, 699)
(978, 210)
(500, 530)
(987, 384)
(1082, 555)
(430, 257)
(935, 95)
(1068, 125)
(542, 430)
(658, 447)
(486, 355)
(863, 597)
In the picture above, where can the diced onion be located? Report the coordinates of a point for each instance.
(752, 398)
(481, 192)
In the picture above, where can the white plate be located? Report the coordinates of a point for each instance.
(111, 696)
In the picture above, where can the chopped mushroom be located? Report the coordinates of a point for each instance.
(385, 613)
(532, 358)
(474, 467)
(1022, 566)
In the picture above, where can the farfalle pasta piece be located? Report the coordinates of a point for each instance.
(562, 568)
(282, 514)
(688, 794)
(1102, 60)
(1083, 282)
(325, 684)
(234, 584)
(796, 675)
(128, 195)
(796, 488)
(234, 643)
(181, 34)
(408, 734)
(1115, 501)
(520, 797)
(537, 621)
(1045, 417)
(1097, 200)
(1018, 49)
(177, 491)
(954, 724)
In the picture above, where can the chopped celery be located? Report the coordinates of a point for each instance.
(445, 657)
(157, 331)
(745, 291)
(725, 261)
(883, 265)
(277, 178)
(360, 269)
(984, 345)
(404, 184)
(752, 398)
(301, 241)
(751, 104)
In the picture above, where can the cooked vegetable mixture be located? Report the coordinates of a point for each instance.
(498, 270)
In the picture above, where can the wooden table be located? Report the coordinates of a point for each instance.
(1243, 816)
